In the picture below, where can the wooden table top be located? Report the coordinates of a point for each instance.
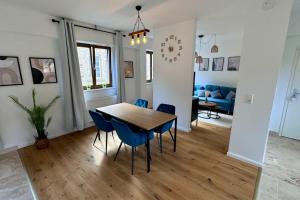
(146, 119)
(207, 104)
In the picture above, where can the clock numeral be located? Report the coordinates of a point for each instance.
(179, 54)
(180, 47)
(167, 39)
(179, 41)
(175, 59)
(170, 60)
(162, 55)
(163, 44)
(171, 37)
(162, 50)
(166, 58)
(175, 38)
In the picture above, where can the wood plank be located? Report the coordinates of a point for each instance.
(146, 119)
(72, 168)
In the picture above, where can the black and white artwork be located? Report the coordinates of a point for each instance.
(43, 70)
(218, 64)
(233, 63)
(10, 73)
(204, 66)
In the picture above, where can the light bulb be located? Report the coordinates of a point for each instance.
(145, 39)
(132, 42)
(138, 41)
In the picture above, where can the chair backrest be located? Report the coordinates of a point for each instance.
(100, 121)
(166, 108)
(125, 133)
(141, 103)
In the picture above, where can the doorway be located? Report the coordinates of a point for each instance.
(290, 120)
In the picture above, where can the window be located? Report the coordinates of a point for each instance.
(149, 66)
(95, 66)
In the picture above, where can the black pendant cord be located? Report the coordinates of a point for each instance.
(85, 27)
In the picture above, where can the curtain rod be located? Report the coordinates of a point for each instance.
(95, 29)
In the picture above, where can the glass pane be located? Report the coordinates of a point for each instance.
(102, 66)
(152, 66)
(148, 67)
(85, 66)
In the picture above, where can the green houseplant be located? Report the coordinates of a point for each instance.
(37, 118)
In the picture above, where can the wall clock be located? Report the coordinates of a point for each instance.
(171, 48)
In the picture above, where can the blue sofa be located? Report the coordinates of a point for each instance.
(224, 104)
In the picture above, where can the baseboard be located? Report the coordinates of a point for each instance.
(184, 129)
(244, 159)
(4, 151)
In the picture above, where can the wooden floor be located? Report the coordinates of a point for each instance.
(72, 168)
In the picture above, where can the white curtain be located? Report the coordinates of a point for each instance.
(118, 61)
(76, 115)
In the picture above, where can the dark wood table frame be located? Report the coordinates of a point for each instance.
(105, 111)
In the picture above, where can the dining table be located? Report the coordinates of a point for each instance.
(142, 118)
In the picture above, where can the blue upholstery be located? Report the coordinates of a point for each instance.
(223, 103)
(166, 108)
(141, 103)
(100, 122)
(198, 87)
(130, 137)
(212, 87)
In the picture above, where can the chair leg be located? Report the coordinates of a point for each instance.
(132, 159)
(97, 136)
(160, 142)
(118, 151)
(112, 134)
(106, 143)
(171, 135)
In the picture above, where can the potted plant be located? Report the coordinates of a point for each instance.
(37, 119)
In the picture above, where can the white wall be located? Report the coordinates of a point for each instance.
(23, 34)
(261, 58)
(173, 81)
(26, 33)
(292, 43)
(230, 44)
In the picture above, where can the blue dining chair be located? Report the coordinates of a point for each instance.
(102, 125)
(170, 109)
(141, 103)
(131, 138)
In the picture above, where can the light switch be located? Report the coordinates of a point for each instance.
(249, 98)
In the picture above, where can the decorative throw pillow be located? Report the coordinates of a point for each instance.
(230, 95)
(216, 94)
(207, 93)
(201, 93)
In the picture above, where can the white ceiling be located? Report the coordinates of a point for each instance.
(121, 14)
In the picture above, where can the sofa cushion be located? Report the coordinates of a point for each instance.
(201, 93)
(230, 96)
(225, 90)
(207, 93)
(212, 87)
(216, 94)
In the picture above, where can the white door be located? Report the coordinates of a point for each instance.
(291, 122)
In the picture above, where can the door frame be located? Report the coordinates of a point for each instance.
(296, 62)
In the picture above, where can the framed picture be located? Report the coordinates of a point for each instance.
(128, 69)
(218, 64)
(43, 70)
(233, 63)
(10, 73)
(204, 66)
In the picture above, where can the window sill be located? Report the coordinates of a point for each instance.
(99, 89)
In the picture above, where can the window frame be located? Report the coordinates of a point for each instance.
(92, 48)
(151, 66)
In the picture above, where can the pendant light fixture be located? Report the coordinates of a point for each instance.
(139, 32)
(199, 58)
(215, 48)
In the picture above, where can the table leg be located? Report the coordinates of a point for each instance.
(175, 134)
(148, 152)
